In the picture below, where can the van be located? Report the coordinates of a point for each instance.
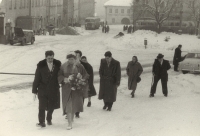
(92, 23)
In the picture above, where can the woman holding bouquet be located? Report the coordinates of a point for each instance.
(72, 76)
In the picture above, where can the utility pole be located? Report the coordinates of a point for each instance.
(29, 7)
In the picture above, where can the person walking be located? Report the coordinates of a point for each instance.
(78, 60)
(160, 68)
(46, 87)
(133, 70)
(72, 97)
(110, 76)
(89, 69)
(177, 57)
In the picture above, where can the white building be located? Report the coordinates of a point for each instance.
(118, 11)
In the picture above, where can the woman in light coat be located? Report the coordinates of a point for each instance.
(133, 70)
(72, 100)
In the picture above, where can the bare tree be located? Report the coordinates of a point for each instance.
(159, 10)
(137, 10)
(194, 7)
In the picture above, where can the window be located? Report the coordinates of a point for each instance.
(113, 20)
(122, 10)
(116, 10)
(110, 10)
(10, 4)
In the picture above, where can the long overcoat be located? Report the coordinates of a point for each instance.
(46, 85)
(110, 77)
(177, 56)
(89, 69)
(161, 70)
(133, 70)
(72, 101)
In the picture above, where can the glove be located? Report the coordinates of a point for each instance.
(34, 97)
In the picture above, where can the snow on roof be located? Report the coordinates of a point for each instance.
(118, 3)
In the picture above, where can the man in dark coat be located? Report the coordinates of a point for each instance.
(133, 29)
(46, 87)
(160, 68)
(129, 29)
(89, 69)
(177, 57)
(110, 76)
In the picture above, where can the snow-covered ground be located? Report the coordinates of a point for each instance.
(176, 115)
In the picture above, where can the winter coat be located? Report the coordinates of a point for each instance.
(110, 77)
(46, 85)
(177, 56)
(129, 29)
(124, 28)
(89, 69)
(72, 101)
(133, 70)
(161, 70)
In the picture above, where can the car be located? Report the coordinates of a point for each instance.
(22, 36)
(191, 63)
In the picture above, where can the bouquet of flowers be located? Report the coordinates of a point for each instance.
(76, 81)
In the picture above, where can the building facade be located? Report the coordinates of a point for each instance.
(48, 11)
(118, 12)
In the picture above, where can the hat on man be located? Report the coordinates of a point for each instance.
(160, 56)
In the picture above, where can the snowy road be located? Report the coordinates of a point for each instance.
(176, 115)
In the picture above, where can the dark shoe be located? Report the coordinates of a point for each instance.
(104, 107)
(109, 109)
(77, 115)
(41, 125)
(151, 95)
(49, 123)
(165, 95)
(132, 96)
(89, 104)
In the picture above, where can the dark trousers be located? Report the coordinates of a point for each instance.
(155, 82)
(108, 104)
(41, 115)
(176, 67)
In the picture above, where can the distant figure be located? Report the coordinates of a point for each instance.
(160, 68)
(103, 29)
(124, 28)
(177, 57)
(133, 29)
(107, 29)
(129, 29)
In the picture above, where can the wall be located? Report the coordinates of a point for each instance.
(116, 18)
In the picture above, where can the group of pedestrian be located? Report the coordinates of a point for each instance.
(130, 29)
(51, 74)
(105, 29)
